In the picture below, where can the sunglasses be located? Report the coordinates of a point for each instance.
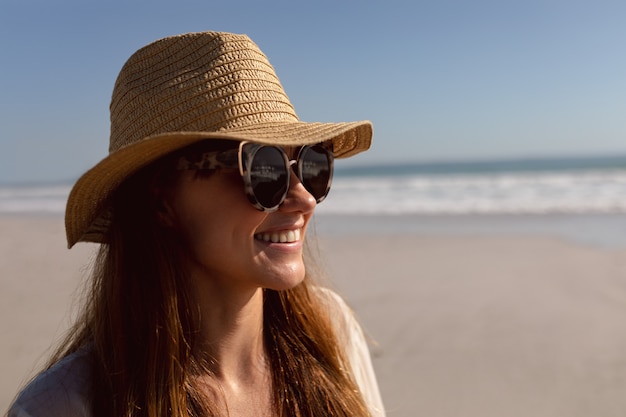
(266, 170)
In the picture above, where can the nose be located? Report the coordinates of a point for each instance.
(298, 198)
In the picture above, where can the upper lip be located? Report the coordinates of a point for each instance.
(284, 235)
(282, 227)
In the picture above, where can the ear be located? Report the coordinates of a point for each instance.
(161, 204)
(164, 212)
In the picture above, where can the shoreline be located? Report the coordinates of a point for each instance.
(606, 230)
(600, 230)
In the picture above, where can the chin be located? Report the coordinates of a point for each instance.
(286, 283)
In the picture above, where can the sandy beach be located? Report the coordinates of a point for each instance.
(524, 322)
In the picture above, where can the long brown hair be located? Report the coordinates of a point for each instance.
(140, 322)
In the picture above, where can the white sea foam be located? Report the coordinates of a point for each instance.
(503, 193)
(585, 192)
(33, 199)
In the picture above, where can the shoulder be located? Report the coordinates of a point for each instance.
(334, 304)
(62, 390)
(355, 347)
(344, 320)
(342, 316)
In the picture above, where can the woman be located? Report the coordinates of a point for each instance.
(200, 303)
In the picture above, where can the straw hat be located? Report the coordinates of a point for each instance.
(184, 89)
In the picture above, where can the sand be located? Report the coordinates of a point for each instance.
(474, 324)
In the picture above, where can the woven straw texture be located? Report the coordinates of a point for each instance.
(184, 89)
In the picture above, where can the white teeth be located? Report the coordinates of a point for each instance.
(285, 236)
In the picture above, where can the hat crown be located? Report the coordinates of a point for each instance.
(197, 82)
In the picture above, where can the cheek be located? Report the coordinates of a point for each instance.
(212, 214)
(205, 238)
(190, 208)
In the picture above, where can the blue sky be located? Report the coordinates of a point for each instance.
(440, 79)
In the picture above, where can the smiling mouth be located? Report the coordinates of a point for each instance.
(283, 236)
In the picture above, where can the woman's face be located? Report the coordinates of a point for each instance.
(232, 243)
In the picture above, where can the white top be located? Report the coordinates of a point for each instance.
(64, 389)
(61, 391)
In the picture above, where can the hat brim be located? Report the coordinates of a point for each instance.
(85, 214)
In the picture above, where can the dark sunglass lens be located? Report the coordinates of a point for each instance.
(268, 176)
(316, 171)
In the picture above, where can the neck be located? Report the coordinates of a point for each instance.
(231, 345)
(231, 331)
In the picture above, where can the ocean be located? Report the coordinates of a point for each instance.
(522, 186)
(592, 185)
